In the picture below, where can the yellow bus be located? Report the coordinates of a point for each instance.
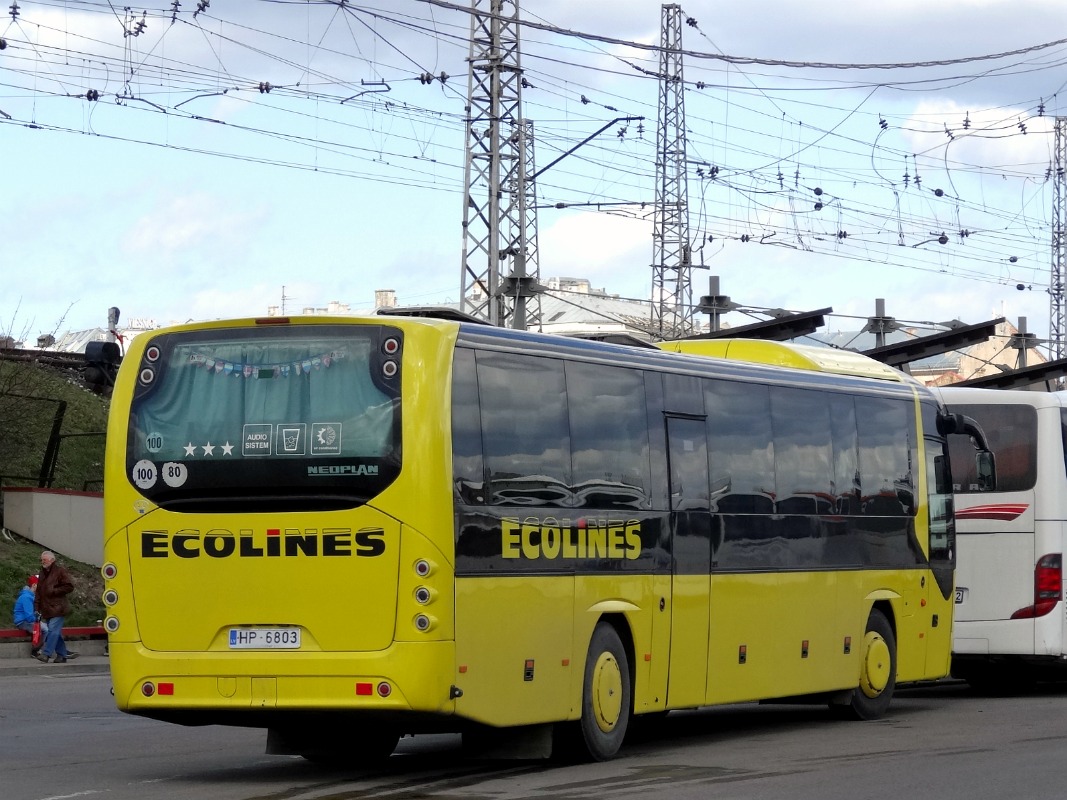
(349, 530)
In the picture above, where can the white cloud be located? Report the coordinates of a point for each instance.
(185, 222)
(612, 251)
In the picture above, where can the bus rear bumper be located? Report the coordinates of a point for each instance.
(205, 688)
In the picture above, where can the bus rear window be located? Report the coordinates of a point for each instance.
(267, 416)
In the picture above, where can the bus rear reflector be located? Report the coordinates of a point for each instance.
(1048, 587)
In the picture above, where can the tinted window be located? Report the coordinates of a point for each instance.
(802, 455)
(846, 470)
(267, 416)
(609, 436)
(1011, 431)
(886, 437)
(466, 430)
(526, 435)
(742, 453)
(939, 492)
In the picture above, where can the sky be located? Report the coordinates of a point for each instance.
(251, 154)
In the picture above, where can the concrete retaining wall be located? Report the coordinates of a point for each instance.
(58, 519)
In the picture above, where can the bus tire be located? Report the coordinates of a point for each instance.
(878, 670)
(606, 695)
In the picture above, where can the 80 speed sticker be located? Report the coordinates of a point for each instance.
(174, 474)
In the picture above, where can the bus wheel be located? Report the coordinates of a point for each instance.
(878, 670)
(606, 695)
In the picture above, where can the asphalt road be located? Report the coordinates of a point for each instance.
(61, 737)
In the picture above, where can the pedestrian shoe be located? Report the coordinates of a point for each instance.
(59, 660)
(71, 655)
(42, 659)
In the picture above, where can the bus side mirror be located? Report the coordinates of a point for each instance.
(985, 470)
(102, 361)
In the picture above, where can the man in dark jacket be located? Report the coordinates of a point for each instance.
(52, 604)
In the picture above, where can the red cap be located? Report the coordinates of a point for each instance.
(31, 581)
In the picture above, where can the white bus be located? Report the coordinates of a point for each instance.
(1010, 624)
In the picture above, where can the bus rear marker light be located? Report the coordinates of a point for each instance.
(364, 689)
(109, 571)
(148, 689)
(110, 597)
(384, 689)
(423, 568)
(111, 624)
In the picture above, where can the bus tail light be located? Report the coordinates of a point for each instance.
(1048, 587)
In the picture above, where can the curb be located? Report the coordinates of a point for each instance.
(86, 665)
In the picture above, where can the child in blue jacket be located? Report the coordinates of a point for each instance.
(25, 616)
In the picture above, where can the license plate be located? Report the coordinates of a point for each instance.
(264, 638)
(961, 594)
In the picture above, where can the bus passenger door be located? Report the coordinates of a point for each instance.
(690, 524)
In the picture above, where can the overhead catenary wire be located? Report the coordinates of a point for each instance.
(161, 85)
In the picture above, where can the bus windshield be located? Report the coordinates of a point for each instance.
(269, 414)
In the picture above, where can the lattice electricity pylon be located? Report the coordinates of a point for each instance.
(521, 289)
(672, 264)
(1059, 242)
(494, 230)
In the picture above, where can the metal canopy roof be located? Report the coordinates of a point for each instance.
(779, 329)
(901, 353)
(1021, 378)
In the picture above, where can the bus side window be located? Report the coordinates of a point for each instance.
(467, 466)
(526, 437)
(1012, 433)
(885, 467)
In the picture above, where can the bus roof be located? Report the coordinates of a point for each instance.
(782, 354)
(988, 396)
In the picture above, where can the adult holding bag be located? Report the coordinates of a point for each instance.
(52, 604)
(26, 618)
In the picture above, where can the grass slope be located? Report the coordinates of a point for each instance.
(29, 398)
